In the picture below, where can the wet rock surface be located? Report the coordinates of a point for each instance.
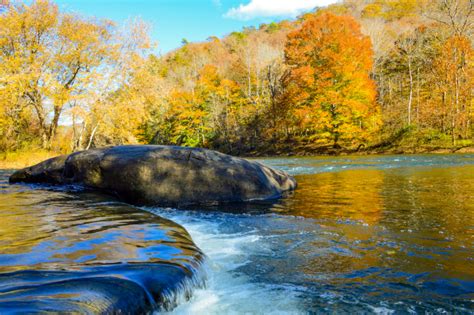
(78, 251)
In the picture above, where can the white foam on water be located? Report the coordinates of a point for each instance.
(229, 291)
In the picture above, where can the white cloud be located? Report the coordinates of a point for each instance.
(268, 8)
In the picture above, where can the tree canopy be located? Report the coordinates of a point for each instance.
(357, 73)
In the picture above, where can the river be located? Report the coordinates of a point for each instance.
(370, 234)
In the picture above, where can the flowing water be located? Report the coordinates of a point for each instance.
(376, 234)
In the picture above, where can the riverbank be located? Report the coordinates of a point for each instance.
(24, 158)
(21, 159)
(328, 150)
(405, 141)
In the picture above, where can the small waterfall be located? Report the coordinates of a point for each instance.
(182, 291)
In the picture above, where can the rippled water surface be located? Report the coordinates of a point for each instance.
(369, 234)
(375, 234)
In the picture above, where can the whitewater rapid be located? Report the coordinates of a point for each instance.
(229, 247)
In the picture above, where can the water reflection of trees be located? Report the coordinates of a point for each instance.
(350, 195)
(430, 213)
(410, 219)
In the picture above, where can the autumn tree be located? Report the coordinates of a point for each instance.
(229, 85)
(407, 69)
(330, 62)
(326, 79)
(454, 69)
(456, 15)
(52, 57)
(121, 99)
(55, 64)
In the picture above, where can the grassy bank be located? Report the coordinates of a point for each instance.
(24, 158)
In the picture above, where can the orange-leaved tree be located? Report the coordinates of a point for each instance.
(329, 82)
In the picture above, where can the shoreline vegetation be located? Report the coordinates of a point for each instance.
(356, 77)
(24, 158)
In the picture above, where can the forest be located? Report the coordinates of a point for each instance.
(360, 75)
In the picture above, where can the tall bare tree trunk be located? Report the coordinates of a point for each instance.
(418, 96)
(91, 138)
(53, 127)
(410, 97)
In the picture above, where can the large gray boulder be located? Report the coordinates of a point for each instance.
(163, 175)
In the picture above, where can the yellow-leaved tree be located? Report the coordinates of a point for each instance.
(53, 63)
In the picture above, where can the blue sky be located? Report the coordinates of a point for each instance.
(195, 20)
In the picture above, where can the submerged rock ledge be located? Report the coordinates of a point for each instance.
(163, 175)
(79, 252)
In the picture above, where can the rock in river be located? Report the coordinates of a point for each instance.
(163, 175)
(66, 251)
